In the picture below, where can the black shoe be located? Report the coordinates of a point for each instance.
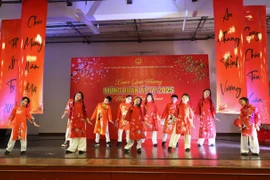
(187, 150)
(199, 145)
(68, 152)
(164, 144)
(139, 151)
(176, 145)
(155, 145)
(211, 145)
(96, 144)
(118, 144)
(81, 152)
(108, 144)
(22, 153)
(126, 151)
(244, 154)
(169, 149)
(6, 153)
(255, 154)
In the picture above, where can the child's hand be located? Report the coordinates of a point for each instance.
(63, 115)
(111, 121)
(35, 124)
(88, 121)
(257, 127)
(192, 125)
(217, 119)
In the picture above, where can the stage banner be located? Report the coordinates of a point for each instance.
(31, 65)
(98, 77)
(230, 64)
(10, 52)
(256, 57)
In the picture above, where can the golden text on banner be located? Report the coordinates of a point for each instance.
(230, 65)
(31, 65)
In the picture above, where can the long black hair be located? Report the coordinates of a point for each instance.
(149, 94)
(211, 102)
(28, 100)
(82, 100)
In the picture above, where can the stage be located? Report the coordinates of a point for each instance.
(46, 159)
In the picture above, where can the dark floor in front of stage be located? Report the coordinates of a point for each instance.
(227, 148)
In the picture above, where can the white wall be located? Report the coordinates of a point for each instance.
(57, 74)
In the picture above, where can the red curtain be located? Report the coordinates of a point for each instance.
(256, 57)
(31, 65)
(230, 64)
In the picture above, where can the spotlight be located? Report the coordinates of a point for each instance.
(69, 3)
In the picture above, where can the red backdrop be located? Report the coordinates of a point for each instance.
(98, 77)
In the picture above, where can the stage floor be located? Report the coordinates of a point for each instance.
(48, 148)
(46, 159)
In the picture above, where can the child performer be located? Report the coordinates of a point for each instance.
(150, 111)
(136, 119)
(102, 115)
(77, 129)
(169, 114)
(249, 123)
(183, 125)
(206, 111)
(122, 111)
(19, 126)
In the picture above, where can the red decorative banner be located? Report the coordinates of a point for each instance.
(256, 57)
(230, 64)
(31, 65)
(10, 53)
(98, 77)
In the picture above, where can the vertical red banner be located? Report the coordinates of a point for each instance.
(256, 57)
(230, 64)
(31, 65)
(10, 52)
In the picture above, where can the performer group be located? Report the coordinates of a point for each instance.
(136, 119)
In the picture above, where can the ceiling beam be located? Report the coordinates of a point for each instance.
(199, 27)
(137, 30)
(88, 23)
(78, 31)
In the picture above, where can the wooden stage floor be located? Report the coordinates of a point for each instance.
(45, 156)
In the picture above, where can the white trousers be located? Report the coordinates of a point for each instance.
(154, 137)
(131, 142)
(120, 135)
(79, 143)
(107, 135)
(11, 144)
(253, 143)
(67, 132)
(165, 136)
(175, 137)
(210, 141)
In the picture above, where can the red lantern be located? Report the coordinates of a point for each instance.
(237, 122)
